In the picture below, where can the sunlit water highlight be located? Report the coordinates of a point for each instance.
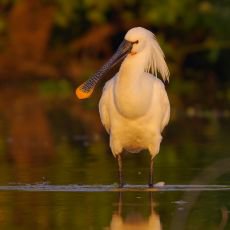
(111, 188)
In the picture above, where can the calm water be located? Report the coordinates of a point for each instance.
(57, 171)
(114, 210)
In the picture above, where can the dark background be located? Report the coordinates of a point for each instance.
(48, 48)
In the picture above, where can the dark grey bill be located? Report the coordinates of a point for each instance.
(122, 51)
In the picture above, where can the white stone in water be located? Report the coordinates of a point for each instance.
(160, 184)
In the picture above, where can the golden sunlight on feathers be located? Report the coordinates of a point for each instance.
(134, 106)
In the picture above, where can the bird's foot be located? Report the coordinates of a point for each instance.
(150, 185)
(121, 185)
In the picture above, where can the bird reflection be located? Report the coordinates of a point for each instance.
(135, 221)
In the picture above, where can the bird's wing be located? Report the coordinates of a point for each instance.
(161, 103)
(104, 105)
(166, 116)
(165, 107)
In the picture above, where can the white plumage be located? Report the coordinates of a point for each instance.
(134, 106)
(134, 115)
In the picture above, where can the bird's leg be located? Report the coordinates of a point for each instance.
(151, 173)
(151, 203)
(119, 161)
(120, 204)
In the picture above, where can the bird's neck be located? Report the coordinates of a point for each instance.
(132, 94)
(133, 64)
(131, 71)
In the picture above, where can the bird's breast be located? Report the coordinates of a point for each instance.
(132, 98)
(134, 135)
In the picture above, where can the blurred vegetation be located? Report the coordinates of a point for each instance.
(56, 39)
(48, 47)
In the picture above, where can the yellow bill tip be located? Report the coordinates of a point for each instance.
(82, 94)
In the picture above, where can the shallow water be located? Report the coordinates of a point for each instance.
(106, 210)
(57, 171)
(78, 189)
(112, 188)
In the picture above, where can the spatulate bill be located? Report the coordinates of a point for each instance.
(86, 89)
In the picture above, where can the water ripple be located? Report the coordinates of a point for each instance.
(110, 188)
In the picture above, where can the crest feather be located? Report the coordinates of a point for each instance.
(156, 60)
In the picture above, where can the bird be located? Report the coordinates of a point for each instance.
(134, 107)
(135, 220)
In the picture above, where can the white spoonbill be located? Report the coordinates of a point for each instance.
(134, 106)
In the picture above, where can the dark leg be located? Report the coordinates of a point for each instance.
(151, 203)
(119, 161)
(120, 204)
(151, 174)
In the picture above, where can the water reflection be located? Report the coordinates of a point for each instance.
(135, 220)
(52, 143)
(206, 177)
(46, 136)
(66, 209)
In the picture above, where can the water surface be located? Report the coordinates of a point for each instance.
(57, 171)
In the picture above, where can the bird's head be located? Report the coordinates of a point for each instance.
(136, 40)
(138, 37)
(143, 40)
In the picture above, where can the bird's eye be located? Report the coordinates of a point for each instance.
(136, 42)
